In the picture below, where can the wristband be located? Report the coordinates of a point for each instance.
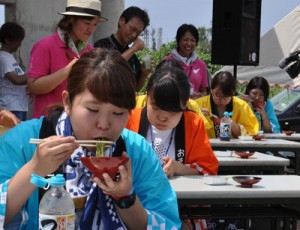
(120, 197)
(126, 201)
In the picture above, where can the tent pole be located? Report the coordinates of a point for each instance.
(235, 71)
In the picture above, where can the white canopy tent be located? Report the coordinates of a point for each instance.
(281, 40)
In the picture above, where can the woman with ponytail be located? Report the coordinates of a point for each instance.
(52, 57)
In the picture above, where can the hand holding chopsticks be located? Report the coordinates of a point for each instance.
(206, 112)
(86, 143)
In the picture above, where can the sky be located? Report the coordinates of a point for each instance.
(170, 14)
(1, 14)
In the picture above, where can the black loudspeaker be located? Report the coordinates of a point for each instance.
(236, 32)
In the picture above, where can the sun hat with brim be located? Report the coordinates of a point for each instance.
(89, 8)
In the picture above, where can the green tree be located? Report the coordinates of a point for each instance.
(204, 44)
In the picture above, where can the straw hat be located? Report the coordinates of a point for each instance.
(90, 8)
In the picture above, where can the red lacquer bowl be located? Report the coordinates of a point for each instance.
(258, 137)
(244, 154)
(256, 104)
(215, 120)
(246, 181)
(288, 132)
(100, 165)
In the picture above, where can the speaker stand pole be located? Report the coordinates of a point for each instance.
(235, 71)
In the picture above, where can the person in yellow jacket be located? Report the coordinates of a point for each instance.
(222, 99)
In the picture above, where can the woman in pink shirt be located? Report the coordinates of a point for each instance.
(187, 38)
(52, 57)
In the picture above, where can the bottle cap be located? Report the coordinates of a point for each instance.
(39, 181)
(57, 180)
(227, 114)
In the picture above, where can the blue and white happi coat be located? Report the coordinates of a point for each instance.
(149, 181)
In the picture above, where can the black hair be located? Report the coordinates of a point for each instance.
(186, 28)
(171, 63)
(169, 89)
(107, 75)
(11, 31)
(258, 83)
(134, 11)
(225, 82)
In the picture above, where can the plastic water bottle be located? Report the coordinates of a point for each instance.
(225, 127)
(57, 210)
(147, 61)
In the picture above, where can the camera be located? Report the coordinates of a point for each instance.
(294, 69)
(293, 63)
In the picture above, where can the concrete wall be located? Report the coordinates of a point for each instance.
(40, 17)
(111, 9)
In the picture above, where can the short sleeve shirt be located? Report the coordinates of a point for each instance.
(12, 97)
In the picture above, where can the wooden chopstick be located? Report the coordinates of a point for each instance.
(213, 115)
(86, 143)
(94, 141)
(210, 114)
(38, 141)
(35, 141)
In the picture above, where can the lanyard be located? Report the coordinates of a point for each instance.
(152, 140)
